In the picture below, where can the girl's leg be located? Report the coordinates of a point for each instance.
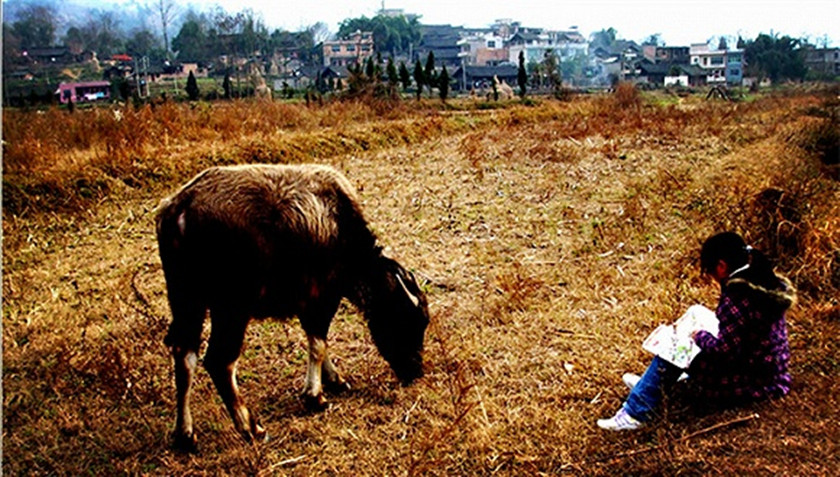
(646, 397)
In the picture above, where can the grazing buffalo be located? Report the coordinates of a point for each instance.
(259, 241)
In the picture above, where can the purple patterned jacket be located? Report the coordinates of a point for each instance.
(748, 360)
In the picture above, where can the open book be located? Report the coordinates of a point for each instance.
(673, 342)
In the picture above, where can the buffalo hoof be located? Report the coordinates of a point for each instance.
(184, 442)
(314, 403)
(255, 437)
(337, 387)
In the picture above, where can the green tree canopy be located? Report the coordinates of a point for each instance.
(419, 77)
(192, 87)
(405, 76)
(429, 72)
(392, 35)
(443, 84)
(145, 43)
(522, 75)
(36, 26)
(775, 58)
(191, 41)
(603, 38)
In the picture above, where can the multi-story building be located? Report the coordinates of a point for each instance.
(667, 54)
(355, 49)
(734, 67)
(721, 66)
(565, 45)
(483, 48)
(444, 42)
(823, 61)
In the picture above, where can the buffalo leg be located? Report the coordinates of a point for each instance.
(226, 340)
(316, 322)
(313, 389)
(184, 337)
(331, 378)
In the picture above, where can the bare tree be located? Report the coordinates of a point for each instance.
(168, 10)
(320, 32)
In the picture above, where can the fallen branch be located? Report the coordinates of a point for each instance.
(645, 450)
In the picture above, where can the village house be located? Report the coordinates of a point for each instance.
(475, 77)
(444, 42)
(667, 54)
(355, 49)
(721, 66)
(483, 48)
(823, 61)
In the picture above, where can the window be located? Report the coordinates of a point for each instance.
(365, 47)
(351, 47)
(491, 44)
(336, 48)
(717, 60)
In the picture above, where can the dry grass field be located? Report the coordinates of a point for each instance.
(551, 238)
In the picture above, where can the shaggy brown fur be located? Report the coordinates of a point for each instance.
(260, 241)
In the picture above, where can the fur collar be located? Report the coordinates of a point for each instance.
(781, 298)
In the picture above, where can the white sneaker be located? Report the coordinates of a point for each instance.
(630, 380)
(620, 422)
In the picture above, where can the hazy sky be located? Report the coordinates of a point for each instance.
(680, 22)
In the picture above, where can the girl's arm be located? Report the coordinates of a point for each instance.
(733, 315)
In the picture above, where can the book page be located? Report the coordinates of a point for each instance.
(673, 342)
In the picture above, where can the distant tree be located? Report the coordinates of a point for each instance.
(191, 41)
(303, 43)
(603, 38)
(356, 80)
(370, 70)
(775, 58)
(167, 11)
(429, 72)
(318, 32)
(522, 75)
(419, 78)
(551, 69)
(393, 76)
(227, 86)
(192, 87)
(36, 25)
(443, 84)
(654, 39)
(144, 43)
(722, 45)
(104, 35)
(253, 35)
(405, 76)
(74, 40)
(392, 35)
(320, 83)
